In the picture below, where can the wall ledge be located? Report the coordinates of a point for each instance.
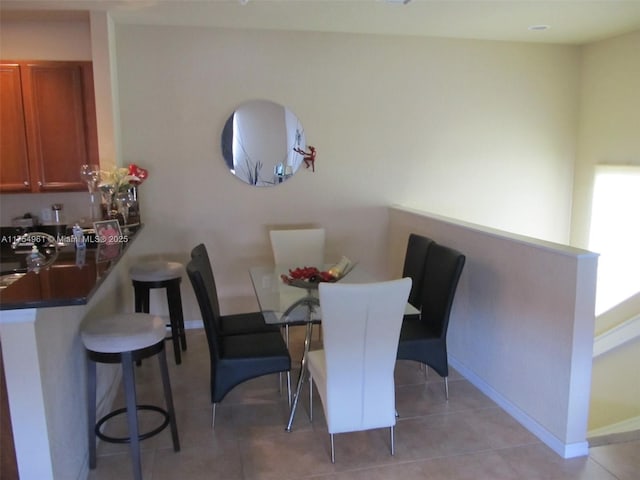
(502, 234)
(616, 336)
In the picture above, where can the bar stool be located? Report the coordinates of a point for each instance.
(167, 275)
(126, 338)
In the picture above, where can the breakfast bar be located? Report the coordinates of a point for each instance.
(40, 315)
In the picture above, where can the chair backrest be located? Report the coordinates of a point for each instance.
(298, 248)
(361, 328)
(443, 268)
(199, 252)
(414, 260)
(203, 286)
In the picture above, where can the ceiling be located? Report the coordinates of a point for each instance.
(570, 21)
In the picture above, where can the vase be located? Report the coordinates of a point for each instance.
(109, 211)
(134, 208)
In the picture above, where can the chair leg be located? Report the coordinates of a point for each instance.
(176, 321)
(168, 398)
(446, 387)
(393, 446)
(132, 413)
(333, 450)
(310, 398)
(286, 339)
(141, 298)
(174, 300)
(91, 409)
(213, 417)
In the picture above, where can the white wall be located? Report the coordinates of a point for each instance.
(521, 327)
(609, 134)
(482, 131)
(37, 40)
(609, 130)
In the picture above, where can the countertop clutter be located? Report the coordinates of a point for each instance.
(69, 275)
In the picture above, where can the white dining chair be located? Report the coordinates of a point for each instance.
(354, 372)
(298, 248)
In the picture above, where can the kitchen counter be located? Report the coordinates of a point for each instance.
(71, 279)
(44, 358)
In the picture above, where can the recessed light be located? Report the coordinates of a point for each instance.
(539, 28)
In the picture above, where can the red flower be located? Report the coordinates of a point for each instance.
(140, 173)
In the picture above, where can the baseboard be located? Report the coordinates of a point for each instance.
(565, 450)
(614, 438)
(192, 324)
(629, 425)
(188, 324)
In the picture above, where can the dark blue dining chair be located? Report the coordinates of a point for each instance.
(425, 340)
(234, 358)
(234, 324)
(414, 263)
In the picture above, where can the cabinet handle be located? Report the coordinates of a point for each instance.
(39, 183)
(26, 184)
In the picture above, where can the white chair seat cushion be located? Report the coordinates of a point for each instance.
(341, 414)
(125, 332)
(156, 271)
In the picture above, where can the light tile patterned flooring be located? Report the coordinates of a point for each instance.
(467, 437)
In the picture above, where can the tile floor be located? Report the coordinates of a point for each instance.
(468, 437)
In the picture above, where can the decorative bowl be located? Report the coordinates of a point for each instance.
(311, 277)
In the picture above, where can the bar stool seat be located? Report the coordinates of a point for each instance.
(126, 338)
(168, 275)
(156, 271)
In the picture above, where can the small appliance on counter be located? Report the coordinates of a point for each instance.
(26, 221)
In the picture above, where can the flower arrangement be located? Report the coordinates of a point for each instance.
(118, 187)
(139, 174)
(115, 180)
(120, 179)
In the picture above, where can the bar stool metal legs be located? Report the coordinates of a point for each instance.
(132, 413)
(91, 410)
(166, 385)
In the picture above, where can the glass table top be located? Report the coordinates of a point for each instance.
(276, 298)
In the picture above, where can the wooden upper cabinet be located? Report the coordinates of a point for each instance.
(58, 121)
(14, 160)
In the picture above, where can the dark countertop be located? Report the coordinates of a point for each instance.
(71, 279)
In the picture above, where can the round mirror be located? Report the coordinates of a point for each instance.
(259, 143)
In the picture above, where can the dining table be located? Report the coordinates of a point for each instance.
(284, 304)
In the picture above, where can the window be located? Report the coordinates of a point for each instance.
(615, 234)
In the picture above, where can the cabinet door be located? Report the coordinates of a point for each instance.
(14, 167)
(60, 120)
